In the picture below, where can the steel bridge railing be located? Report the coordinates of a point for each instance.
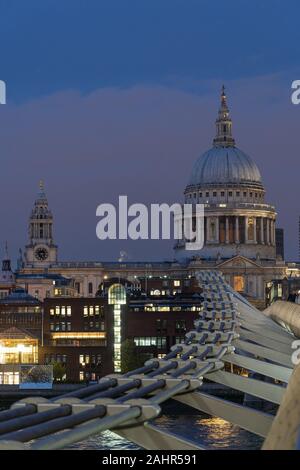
(228, 331)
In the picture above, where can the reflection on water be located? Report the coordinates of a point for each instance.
(210, 432)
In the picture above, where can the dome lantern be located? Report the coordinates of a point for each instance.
(223, 125)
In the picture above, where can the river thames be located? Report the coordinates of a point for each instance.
(211, 432)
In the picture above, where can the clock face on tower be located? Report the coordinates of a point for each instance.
(41, 254)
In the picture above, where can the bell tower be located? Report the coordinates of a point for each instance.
(41, 250)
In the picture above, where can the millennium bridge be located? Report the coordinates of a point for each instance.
(230, 335)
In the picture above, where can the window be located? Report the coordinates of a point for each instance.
(155, 292)
(251, 194)
(161, 325)
(77, 287)
(222, 193)
(180, 325)
(69, 310)
(250, 228)
(230, 194)
(176, 283)
(179, 339)
(237, 194)
(200, 194)
(85, 311)
(245, 194)
(90, 287)
(239, 283)
(161, 342)
(207, 194)
(117, 294)
(214, 194)
(63, 310)
(51, 311)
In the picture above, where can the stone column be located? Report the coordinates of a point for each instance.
(217, 230)
(273, 232)
(254, 229)
(246, 229)
(207, 229)
(227, 230)
(268, 231)
(237, 230)
(262, 231)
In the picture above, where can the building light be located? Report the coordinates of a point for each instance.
(79, 335)
(222, 205)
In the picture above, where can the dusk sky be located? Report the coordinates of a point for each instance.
(116, 97)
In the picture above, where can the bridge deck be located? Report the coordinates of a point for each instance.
(230, 337)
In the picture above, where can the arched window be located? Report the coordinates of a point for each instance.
(116, 294)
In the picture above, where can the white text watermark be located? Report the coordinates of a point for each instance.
(137, 222)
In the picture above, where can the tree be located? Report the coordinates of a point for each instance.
(130, 357)
(59, 371)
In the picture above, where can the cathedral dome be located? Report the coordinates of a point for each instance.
(225, 166)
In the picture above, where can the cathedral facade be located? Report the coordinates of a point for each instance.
(239, 233)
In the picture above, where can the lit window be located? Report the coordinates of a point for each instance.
(85, 311)
(239, 283)
(176, 283)
(57, 310)
(69, 310)
(63, 310)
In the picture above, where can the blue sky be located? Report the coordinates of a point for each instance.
(107, 97)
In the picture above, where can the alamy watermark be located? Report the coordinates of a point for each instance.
(2, 92)
(137, 222)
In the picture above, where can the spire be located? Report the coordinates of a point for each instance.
(42, 194)
(6, 265)
(223, 125)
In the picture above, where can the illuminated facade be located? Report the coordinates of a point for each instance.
(239, 232)
(16, 347)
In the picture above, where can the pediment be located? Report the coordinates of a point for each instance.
(239, 262)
